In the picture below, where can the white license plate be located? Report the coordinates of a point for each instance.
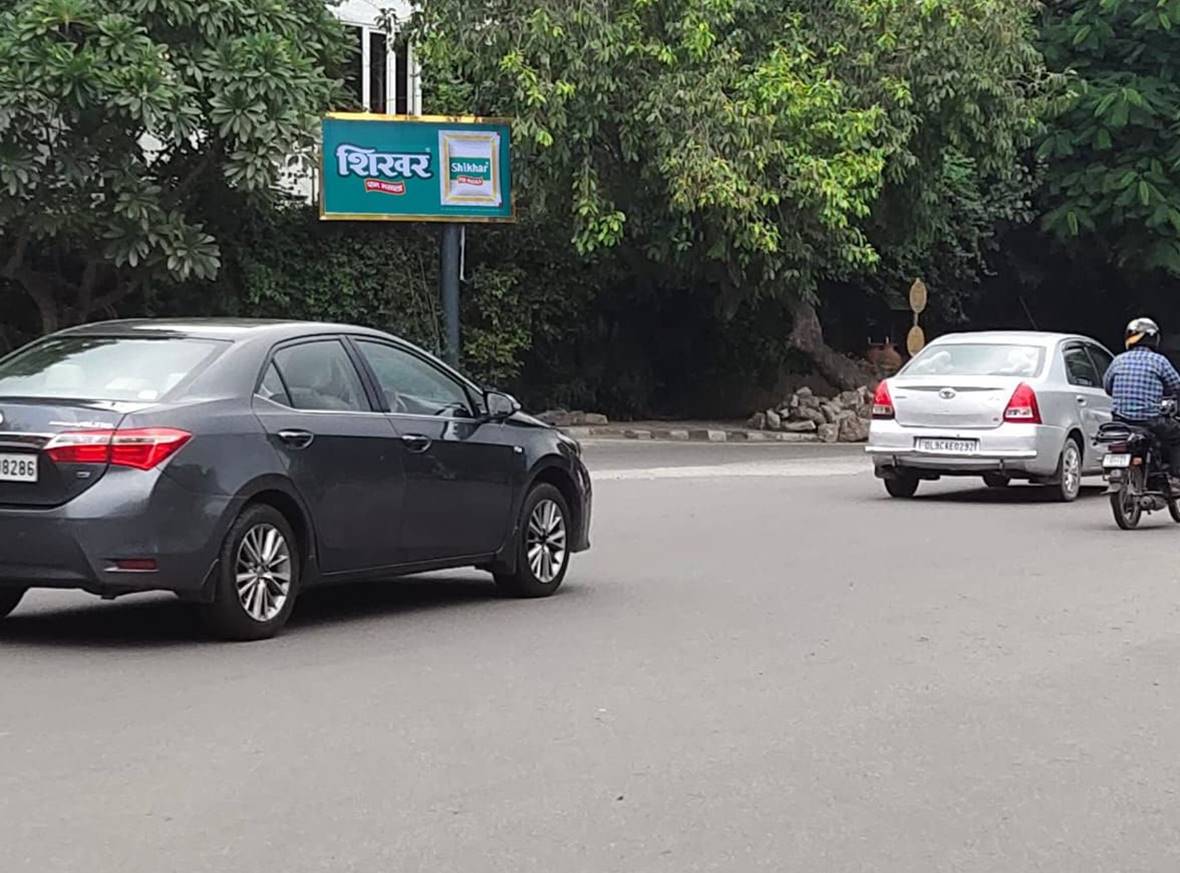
(947, 447)
(18, 468)
(1116, 461)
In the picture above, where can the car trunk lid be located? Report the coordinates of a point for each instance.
(956, 402)
(29, 474)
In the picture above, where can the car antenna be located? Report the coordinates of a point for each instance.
(1024, 306)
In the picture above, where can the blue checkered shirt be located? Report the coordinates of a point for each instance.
(1138, 381)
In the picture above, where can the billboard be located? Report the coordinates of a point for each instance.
(415, 168)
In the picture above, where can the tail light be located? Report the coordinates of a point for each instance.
(139, 448)
(882, 402)
(1023, 408)
(1118, 448)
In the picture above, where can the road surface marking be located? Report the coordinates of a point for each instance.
(778, 470)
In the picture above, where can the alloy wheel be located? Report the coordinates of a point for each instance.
(263, 572)
(545, 542)
(1071, 470)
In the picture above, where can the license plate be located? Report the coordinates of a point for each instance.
(1116, 461)
(18, 468)
(947, 447)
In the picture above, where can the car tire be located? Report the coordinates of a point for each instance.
(10, 598)
(262, 551)
(1068, 479)
(902, 485)
(996, 480)
(542, 545)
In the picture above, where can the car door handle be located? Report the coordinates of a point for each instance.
(1081, 400)
(416, 443)
(297, 439)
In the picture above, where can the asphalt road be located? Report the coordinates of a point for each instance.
(764, 665)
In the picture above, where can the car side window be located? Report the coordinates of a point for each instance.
(272, 387)
(1079, 369)
(412, 385)
(320, 377)
(1102, 360)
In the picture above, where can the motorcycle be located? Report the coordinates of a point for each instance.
(1135, 469)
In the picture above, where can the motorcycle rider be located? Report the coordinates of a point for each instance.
(1138, 381)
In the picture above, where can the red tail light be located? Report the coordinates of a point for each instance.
(81, 447)
(140, 448)
(1023, 408)
(882, 402)
(147, 447)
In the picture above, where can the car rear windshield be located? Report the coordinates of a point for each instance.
(977, 359)
(103, 368)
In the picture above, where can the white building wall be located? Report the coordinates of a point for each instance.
(369, 11)
(368, 15)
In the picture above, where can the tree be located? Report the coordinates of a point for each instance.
(1113, 148)
(757, 146)
(127, 127)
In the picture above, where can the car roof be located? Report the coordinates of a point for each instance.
(231, 329)
(1011, 337)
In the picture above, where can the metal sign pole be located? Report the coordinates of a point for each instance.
(448, 281)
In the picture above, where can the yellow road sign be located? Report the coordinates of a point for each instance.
(918, 296)
(915, 341)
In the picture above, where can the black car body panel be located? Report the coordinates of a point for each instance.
(368, 490)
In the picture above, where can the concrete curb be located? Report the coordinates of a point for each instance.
(694, 434)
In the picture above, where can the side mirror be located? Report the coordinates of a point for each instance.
(500, 406)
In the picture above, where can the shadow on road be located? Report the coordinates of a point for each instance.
(365, 600)
(161, 621)
(1013, 495)
(158, 622)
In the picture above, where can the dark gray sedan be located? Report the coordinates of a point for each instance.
(237, 462)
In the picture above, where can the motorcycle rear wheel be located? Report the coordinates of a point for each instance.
(1174, 510)
(1124, 503)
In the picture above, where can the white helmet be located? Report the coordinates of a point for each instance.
(1142, 331)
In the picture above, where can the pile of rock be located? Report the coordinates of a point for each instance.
(565, 418)
(843, 418)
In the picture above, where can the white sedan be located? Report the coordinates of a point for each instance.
(1001, 405)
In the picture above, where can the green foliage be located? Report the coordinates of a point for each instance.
(745, 142)
(1113, 149)
(688, 173)
(285, 263)
(722, 155)
(128, 126)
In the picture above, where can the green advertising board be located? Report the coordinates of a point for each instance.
(415, 168)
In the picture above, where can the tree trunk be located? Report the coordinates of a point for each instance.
(46, 306)
(39, 288)
(807, 336)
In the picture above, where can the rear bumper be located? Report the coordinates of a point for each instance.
(1019, 449)
(128, 514)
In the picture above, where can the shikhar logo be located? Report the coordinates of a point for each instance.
(383, 172)
(471, 168)
(476, 172)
